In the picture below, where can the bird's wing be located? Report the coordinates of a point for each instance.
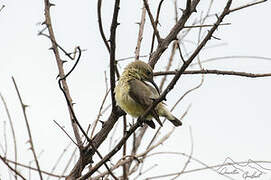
(140, 93)
(143, 94)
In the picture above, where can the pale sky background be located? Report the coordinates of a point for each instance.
(229, 116)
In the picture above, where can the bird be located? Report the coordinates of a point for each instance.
(134, 94)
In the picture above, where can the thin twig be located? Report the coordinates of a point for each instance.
(140, 33)
(131, 57)
(124, 169)
(66, 133)
(12, 131)
(99, 5)
(28, 128)
(247, 5)
(113, 28)
(217, 72)
(5, 138)
(205, 25)
(99, 114)
(232, 57)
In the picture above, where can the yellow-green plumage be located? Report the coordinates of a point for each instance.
(134, 95)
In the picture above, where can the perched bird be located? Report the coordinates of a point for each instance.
(134, 95)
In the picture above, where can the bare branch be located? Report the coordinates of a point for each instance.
(113, 28)
(131, 57)
(124, 168)
(66, 133)
(232, 57)
(217, 72)
(205, 25)
(28, 128)
(99, 114)
(140, 33)
(99, 5)
(247, 5)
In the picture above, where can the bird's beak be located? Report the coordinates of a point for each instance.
(155, 85)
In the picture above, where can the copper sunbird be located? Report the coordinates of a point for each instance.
(134, 95)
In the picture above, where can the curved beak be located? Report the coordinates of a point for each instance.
(155, 85)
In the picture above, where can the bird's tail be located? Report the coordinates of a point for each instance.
(175, 121)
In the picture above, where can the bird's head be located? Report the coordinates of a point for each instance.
(142, 71)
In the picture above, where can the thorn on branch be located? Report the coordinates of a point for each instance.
(212, 36)
(51, 4)
(25, 106)
(102, 122)
(216, 38)
(63, 61)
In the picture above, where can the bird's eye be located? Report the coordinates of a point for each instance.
(148, 73)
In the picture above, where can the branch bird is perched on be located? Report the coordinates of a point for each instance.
(134, 95)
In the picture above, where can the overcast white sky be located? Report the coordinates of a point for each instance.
(229, 116)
